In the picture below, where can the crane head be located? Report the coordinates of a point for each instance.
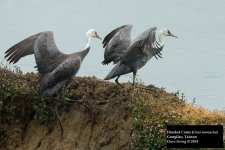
(93, 33)
(166, 32)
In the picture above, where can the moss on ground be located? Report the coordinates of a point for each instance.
(149, 109)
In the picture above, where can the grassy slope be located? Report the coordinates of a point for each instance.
(119, 117)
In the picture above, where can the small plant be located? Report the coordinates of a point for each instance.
(44, 111)
(181, 97)
(148, 130)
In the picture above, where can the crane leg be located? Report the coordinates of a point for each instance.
(134, 75)
(117, 80)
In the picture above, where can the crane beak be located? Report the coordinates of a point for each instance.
(171, 34)
(97, 36)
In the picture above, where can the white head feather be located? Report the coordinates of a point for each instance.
(91, 33)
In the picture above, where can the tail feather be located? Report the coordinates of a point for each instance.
(119, 69)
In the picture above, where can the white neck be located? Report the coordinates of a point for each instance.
(88, 43)
(160, 37)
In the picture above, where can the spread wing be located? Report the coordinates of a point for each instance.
(116, 42)
(145, 45)
(109, 36)
(43, 46)
(46, 53)
(21, 49)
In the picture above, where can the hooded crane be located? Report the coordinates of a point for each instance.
(116, 43)
(143, 48)
(55, 67)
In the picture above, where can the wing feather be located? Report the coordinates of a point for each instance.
(142, 48)
(21, 49)
(46, 53)
(109, 36)
(43, 46)
(116, 43)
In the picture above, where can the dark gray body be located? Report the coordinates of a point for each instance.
(116, 44)
(56, 68)
(141, 50)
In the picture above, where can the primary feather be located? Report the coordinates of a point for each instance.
(116, 44)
